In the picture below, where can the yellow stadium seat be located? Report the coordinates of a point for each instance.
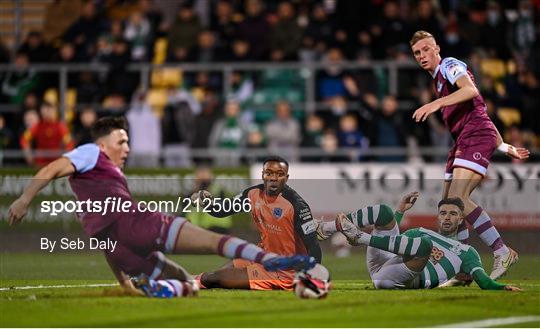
(509, 116)
(51, 96)
(166, 78)
(495, 68)
(157, 98)
(160, 51)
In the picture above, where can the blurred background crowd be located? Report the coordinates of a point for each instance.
(338, 100)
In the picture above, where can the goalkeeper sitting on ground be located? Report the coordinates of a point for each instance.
(417, 259)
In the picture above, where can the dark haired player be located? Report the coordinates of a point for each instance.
(476, 138)
(95, 174)
(417, 259)
(286, 227)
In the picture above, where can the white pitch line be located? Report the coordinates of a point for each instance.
(493, 322)
(62, 286)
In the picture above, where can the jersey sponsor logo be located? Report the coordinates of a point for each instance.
(309, 227)
(305, 214)
(277, 212)
(436, 255)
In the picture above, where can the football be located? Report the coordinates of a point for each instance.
(312, 284)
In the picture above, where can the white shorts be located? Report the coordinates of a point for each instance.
(387, 270)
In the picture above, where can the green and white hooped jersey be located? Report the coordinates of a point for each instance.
(448, 257)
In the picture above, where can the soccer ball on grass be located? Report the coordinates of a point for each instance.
(312, 284)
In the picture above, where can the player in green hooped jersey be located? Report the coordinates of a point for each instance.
(417, 259)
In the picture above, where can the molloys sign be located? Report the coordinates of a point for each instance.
(509, 193)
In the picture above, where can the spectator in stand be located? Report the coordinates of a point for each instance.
(177, 127)
(228, 136)
(453, 44)
(240, 51)
(120, 82)
(285, 35)
(313, 135)
(59, 16)
(351, 137)
(223, 23)
(388, 129)
(36, 48)
(138, 32)
(152, 14)
(255, 29)
(427, 20)
(206, 50)
(87, 117)
(205, 120)
(495, 33)
(523, 30)
(6, 137)
(84, 32)
(183, 34)
(49, 136)
(283, 133)
(390, 33)
(319, 31)
(144, 133)
(17, 84)
(333, 81)
(4, 53)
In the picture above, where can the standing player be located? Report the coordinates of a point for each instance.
(95, 174)
(417, 259)
(476, 138)
(286, 227)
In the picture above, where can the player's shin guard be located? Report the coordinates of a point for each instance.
(231, 247)
(379, 215)
(481, 223)
(402, 245)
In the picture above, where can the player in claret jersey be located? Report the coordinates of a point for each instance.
(417, 259)
(286, 227)
(141, 237)
(476, 138)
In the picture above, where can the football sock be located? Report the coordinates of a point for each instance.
(481, 223)
(379, 215)
(171, 288)
(232, 247)
(463, 233)
(398, 244)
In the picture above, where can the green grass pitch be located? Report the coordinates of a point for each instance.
(352, 303)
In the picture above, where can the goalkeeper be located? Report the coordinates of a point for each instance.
(417, 259)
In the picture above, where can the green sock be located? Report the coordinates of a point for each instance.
(380, 215)
(402, 245)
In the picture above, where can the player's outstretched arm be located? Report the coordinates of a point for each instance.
(58, 168)
(486, 283)
(519, 153)
(466, 91)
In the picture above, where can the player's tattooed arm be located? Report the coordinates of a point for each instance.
(60, 167)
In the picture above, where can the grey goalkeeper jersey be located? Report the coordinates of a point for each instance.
(449, 257)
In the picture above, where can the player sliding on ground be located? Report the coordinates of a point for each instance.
(95, 173)
(417, 259)
(286, 226)
(476, 138)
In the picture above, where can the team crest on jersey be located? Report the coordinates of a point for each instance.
(277, 212)
(439, 86)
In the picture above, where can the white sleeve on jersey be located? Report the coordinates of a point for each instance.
(84, 157)
(453, 69)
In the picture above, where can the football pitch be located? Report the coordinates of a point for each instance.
(352, 303)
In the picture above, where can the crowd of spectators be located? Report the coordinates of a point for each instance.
(500, 41)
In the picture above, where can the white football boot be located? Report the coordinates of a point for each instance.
(502, 263)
